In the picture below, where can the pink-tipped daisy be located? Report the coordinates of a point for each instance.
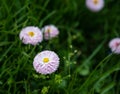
(114, 45)
(31, 35)
(95, 5)
(50, 31)
(46, 62)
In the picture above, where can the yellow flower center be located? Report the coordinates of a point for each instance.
(46, 60)
(31, 33)
(95, 1)
(48, 30)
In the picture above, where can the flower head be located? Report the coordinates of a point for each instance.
(46, 62)
(31, 35)
(114, 45)
(95, 5)
(50, 31)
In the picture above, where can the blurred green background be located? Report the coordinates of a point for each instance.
(87, 65)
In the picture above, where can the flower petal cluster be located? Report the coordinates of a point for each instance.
(95, 5)
(46, 62)
(50, 31)
(31, 35)
(114, 45)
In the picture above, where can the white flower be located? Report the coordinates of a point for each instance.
(46, 62)
(50, 31)
(31, 35)
(95, 5)
(114, 45)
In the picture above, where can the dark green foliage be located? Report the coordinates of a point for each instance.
(87, 65)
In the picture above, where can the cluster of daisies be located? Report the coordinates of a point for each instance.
(33, 35)
(95, 5)
(45, 62)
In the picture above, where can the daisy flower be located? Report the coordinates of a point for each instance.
(50, 31)
(95, 5)
(46, 62)
(114, 45)
(31, 35)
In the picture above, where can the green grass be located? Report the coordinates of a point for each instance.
(87, 65)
